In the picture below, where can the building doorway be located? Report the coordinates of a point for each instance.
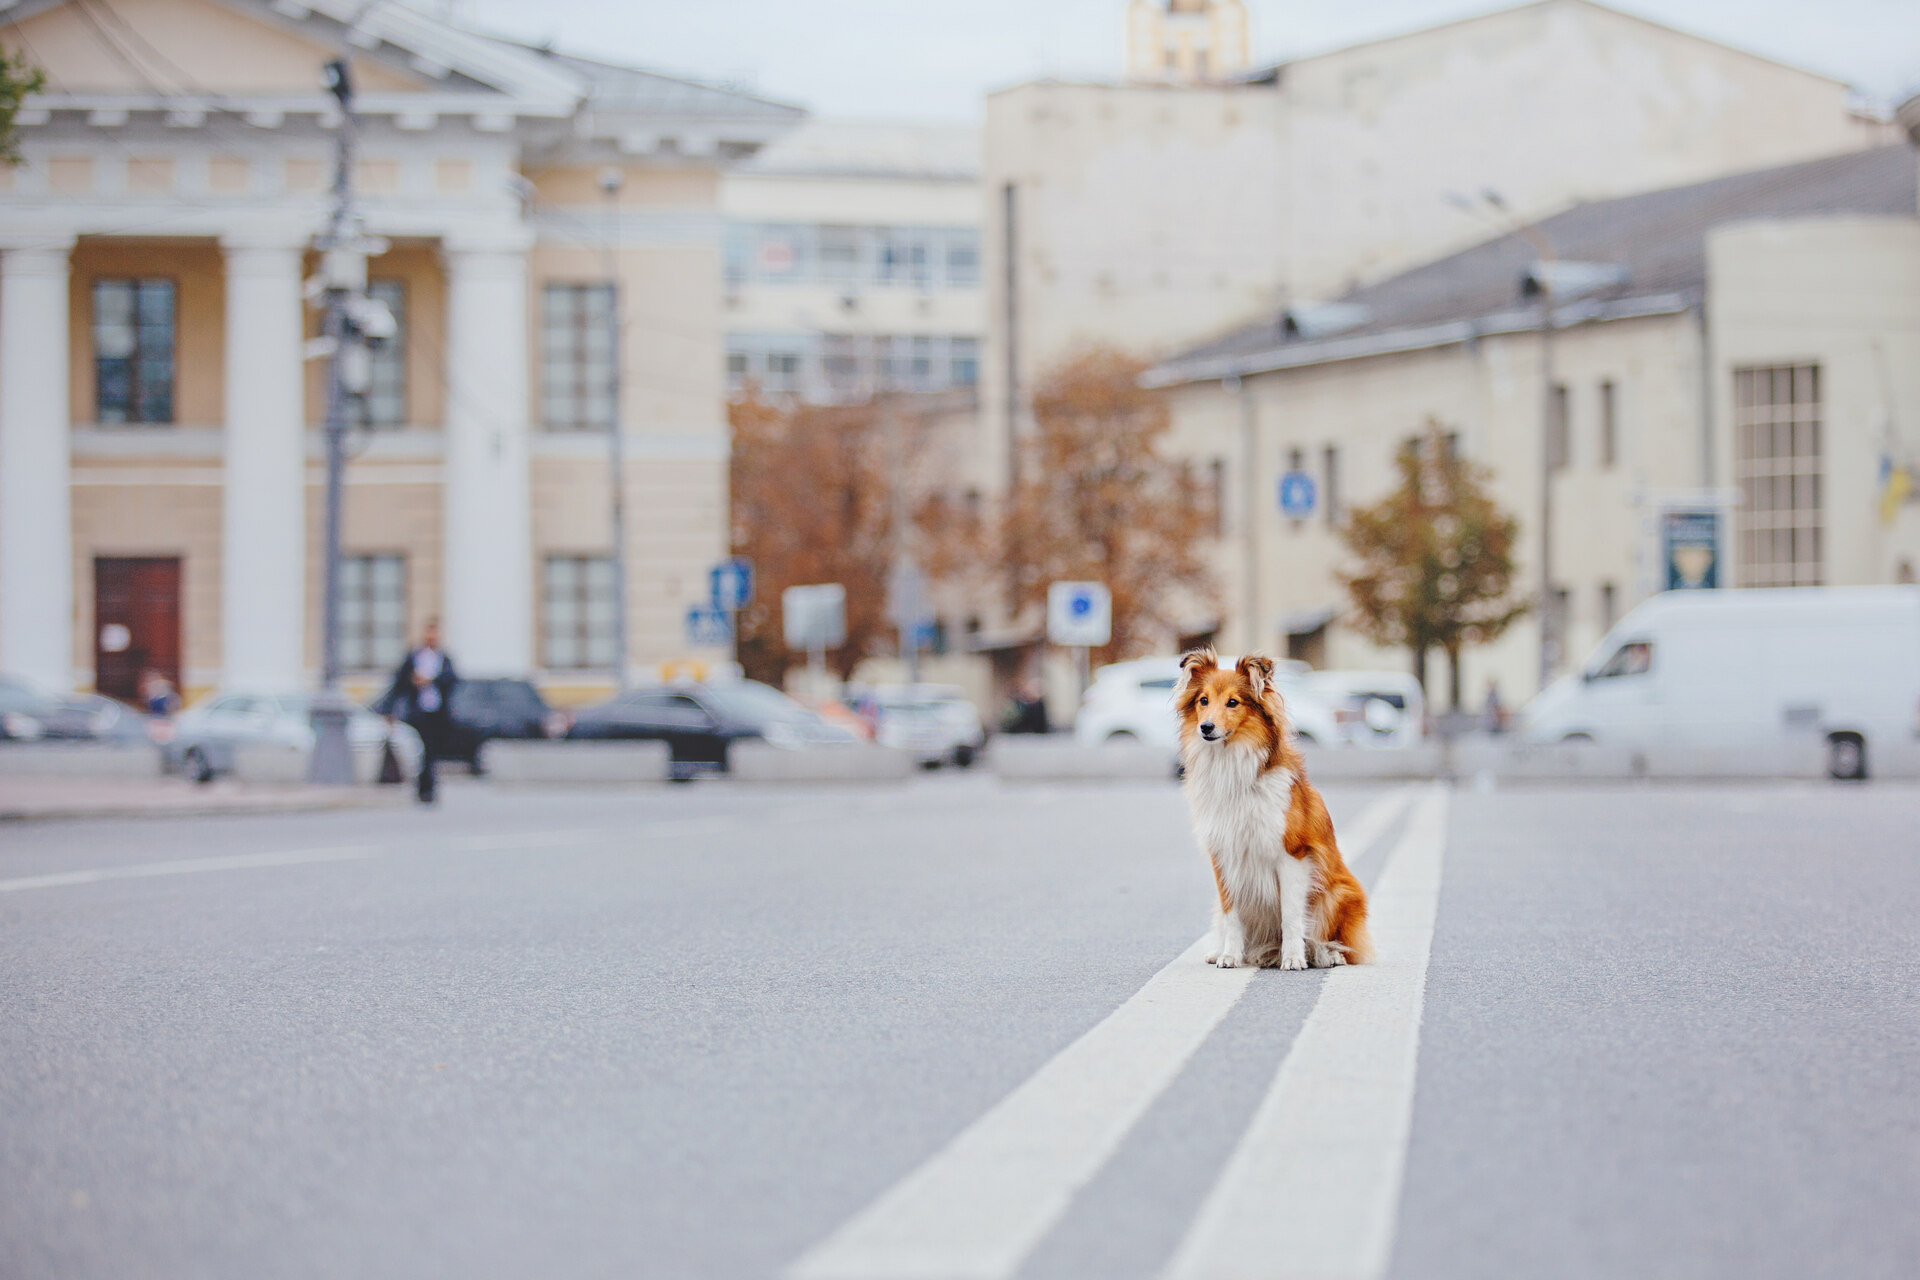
(136, 622)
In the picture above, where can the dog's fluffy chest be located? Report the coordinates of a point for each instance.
(1240, 816)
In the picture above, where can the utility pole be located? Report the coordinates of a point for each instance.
(343, 272)
(611, 180)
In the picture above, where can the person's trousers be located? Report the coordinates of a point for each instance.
(431, 726)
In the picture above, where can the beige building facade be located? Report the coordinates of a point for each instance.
(1149, 216)
(1755, 359)
(161, 472)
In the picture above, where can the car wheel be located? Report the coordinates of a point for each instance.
(963, 757)
(1847, 757)
(1122, 735)
(197, 766)
(1578, 737)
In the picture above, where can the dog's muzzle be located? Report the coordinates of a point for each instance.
(1207, 731)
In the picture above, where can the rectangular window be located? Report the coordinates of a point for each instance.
(920, 364)
(1609, 429)
(904, 258)
(963, 361)
(387, 364)
(1609, 607)
(577, 357)
(1559, 431)
(1331, 495)
(840, 366)
(373, 611)
(133, 349)
(736, 370)
(576, 617)
(1776, 431)
(783, 371)
(963, 258)
(839, 254)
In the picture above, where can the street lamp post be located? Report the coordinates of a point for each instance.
(343, 273)
(611, 181)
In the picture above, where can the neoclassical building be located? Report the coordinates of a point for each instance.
(160, 458)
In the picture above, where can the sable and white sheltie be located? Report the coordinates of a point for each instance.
(1286, 896)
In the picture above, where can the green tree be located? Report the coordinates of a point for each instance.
(18, 79)
(1435, 559)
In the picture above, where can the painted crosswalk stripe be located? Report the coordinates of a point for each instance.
(1313, 1189)
(979, 1206)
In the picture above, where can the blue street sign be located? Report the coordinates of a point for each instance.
(1297, 496)
(731, 583)
(708, 628)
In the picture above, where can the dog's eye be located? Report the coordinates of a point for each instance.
(1203, 702)
(1233, 702)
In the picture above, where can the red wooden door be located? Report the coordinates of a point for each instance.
(136, 622)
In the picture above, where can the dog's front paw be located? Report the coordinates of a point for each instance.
(1228, 960)
(1293, 955)
(1212, 957)
(1327, 957)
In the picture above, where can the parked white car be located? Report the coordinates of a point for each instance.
(1837, 665)
(936, 723)
(1373, 708)
(1133, 701)
(207, 734)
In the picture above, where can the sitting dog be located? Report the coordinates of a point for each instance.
(1286, 896)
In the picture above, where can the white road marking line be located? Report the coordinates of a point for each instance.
(1313, 1189)
(980, 1205)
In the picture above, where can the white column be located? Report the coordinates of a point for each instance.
(488, 608)
(36, 518)
(263, 540)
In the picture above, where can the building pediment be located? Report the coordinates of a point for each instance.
(260, 51)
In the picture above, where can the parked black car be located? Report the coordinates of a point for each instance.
(24, 710)
(698, 722)
(483, 709)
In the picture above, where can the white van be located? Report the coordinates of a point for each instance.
(1741, 668)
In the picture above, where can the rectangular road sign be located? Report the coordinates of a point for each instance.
(708, 628)
(730, 583)
(814, 617)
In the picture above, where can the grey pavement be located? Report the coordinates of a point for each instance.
(691, 1032)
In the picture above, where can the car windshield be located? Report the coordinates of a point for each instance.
(755, 703)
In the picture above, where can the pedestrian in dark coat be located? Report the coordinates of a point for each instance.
(421, 694)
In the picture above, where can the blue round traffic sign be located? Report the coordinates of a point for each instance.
(1081, 605)
(1297, 494)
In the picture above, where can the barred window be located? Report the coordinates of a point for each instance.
(577, 612)
(133, 350)
(373, 611)
(577, 357)
(387, 383)
(1777, 466)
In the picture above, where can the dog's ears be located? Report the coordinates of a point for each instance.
(1258, 672)
(1195, 663)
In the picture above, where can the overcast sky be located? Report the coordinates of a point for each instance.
(933, 59)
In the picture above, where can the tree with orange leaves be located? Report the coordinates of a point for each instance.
(811, 504)
(1098, 502)
(1435, 558)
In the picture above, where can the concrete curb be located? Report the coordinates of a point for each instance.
(758, 762)
(537, 762)
(80, 760)
(188, 800)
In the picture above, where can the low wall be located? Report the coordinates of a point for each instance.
(79, 760)
(1041, 760)
(758, 762)
(537, 762)
(279, 765)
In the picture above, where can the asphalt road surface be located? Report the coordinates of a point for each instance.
(960, 1029)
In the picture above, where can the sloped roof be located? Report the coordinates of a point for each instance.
(871, 149)
(632, 89)
(1659, 237)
